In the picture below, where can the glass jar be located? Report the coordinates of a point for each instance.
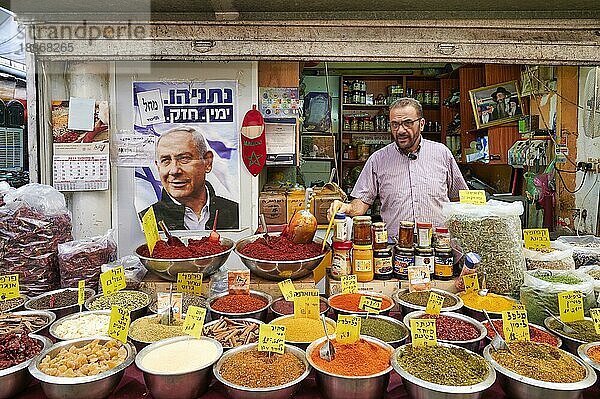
(443, 264)
(362, 262)
(442, 238)
(340, 228)
(346, 125)
(424, 231)
(380, 236)
(403, 259)
(419, 95)
(435, 97)
(364, 151)
(427, 96)
(406, 234)
(341, 261)
(354, 123)
(383, 265)
(424, 257)
(361, 230)
(352, 152)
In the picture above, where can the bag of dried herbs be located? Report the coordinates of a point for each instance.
(586, 249)
(494, 232)
(541, 288)
(594, 272)
(558, 257)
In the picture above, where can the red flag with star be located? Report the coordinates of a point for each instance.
(254, 145)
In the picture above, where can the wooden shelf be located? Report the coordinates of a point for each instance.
(363, 106)
(362, 131)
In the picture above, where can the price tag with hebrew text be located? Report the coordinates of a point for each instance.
(349, 284)
(190, 283)
(595, 313)
(434, 303)
(347, 329)
(570, 306)
(307, 304)
(271, 338)
(113, 280)
(9, 287)
(81, 292)
(536, 239)
(423, 332)
(287, 289)
(150, 229)
(118, 326)
(471, 282)
(194, 321)
(515, 325)
(370, 304)
(473, 197)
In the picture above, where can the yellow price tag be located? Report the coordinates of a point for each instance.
(193, 324)
(287, 289)
(595, 313)
(271, 338)
(536, 239)
(474, 197)
(189, 282)
(113, 280)
(370, 304)
(347, 329)
(80, 292)
(423, 332)
(118, 326)
(349, 284)
(518, 306)
(471, 282)
(515, 325)
(306, 304)
(150, 229)
(570, 306)
(434, 303)
(9, 287)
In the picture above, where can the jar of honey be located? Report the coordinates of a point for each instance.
(361, 230)
(406, 234)
(380, 236)
(362, 262)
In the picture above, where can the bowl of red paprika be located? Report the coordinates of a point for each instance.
(254, 305)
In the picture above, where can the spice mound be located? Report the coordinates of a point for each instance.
(303, 329)
(149, 329)
(584, 330)
(130, 300)
(254, 369)
(560, 278)
(450, 328)
(181, 357)
(443, 365)
(360, 358)
(21, 324)
(11, 303)
(535, 334)
(242, 303)
(194, 249)
(420, 298)
(284, 307)
(540, 361)
(85, 325)
(349, 302)
(280, 248)
(382, 329)
(490, 302)
(17, 348)
(232, 333)
(57, 300)
(594, 353)
(91, 359)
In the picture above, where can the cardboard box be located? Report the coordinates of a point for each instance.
(273, 205)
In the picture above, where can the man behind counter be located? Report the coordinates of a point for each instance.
(188, 201)
(412, 176)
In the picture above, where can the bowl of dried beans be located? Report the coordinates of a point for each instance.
(197, 255)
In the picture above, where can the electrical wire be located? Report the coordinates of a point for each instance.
(567, 188)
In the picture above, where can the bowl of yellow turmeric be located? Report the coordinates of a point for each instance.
(494, 304)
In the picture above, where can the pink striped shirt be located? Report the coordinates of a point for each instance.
(410, 189)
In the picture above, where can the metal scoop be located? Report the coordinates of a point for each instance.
(172, 241)
(498, 343)
(566, 328)
(265, 229)
(327, 351)
(484, 291)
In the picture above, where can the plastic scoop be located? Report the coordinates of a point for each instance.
(335, 210)
(214, 236)
(172, 241)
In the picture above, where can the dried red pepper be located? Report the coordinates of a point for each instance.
(280, 248)
(450, 328)
(535, 334)
(17, 348)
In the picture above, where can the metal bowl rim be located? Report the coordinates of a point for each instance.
(91, 299)
(52, 329)
(31, 300)
(44, 313)
(373, 340)
(459, 302)
(287, 316)
(141, 354)
(453, 389)
(369, 293)
(229, 241)
(489, 312)
(48, 379)
(391, 320)
(582, 352)
(281, 298)
(299, 353)
(262, 294)
(476, 323)
(530, 324)
(149, 342)
(25, 297)
(566, 338)
(46, 343)
(252, 238)
(587, 381)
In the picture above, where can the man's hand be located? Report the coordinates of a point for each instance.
(336, 206)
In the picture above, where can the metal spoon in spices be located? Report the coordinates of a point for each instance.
(484, 291)
(172, 241)
(265, 229)
(498, 343)
(566, 328)
(327, 351)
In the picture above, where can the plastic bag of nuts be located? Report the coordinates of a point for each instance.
(558, 257)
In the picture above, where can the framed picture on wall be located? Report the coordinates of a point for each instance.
(314, 146)
(496, 104)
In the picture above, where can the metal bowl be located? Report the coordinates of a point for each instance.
(260, 314)
(471, 344)
(397, 322)
(63, 311)
(520, 387)
(49, 316)
(418, 388)
(139, 345)
(285, 391)
(279, 270)
(408, 307)
(16, 378)
(488, 338)
(571, 344)
(279, 299)
(383, 311)
(582, 352)
(97, 386)
(168, 268)
(304, 344)
(134, 314)
(188, 385)
(479, 315)
(60, 321)
(226, 348)
(14, 308)
(335, 386)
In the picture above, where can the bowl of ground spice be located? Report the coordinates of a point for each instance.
(536, 333)
(453, 328)
(493, 304)
(385, 328)
(254, 305)
(14, 304)
(417, 300)
(61, 302)
(150, 329)
(280, 258)
(585, 332)
(247, 373)
(358, 370)
(301, 331)
(590, 353)
(198, 255)
(534, 370)
(348, 303)
(442, 371)
(281, 307)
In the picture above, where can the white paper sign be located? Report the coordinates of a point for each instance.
(150, 105)
(130, 149)
(81, 113)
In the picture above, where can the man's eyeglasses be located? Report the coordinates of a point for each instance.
(407, 124)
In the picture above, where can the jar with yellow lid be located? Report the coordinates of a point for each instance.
(362, 262)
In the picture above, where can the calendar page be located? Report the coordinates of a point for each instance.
(81, 167)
